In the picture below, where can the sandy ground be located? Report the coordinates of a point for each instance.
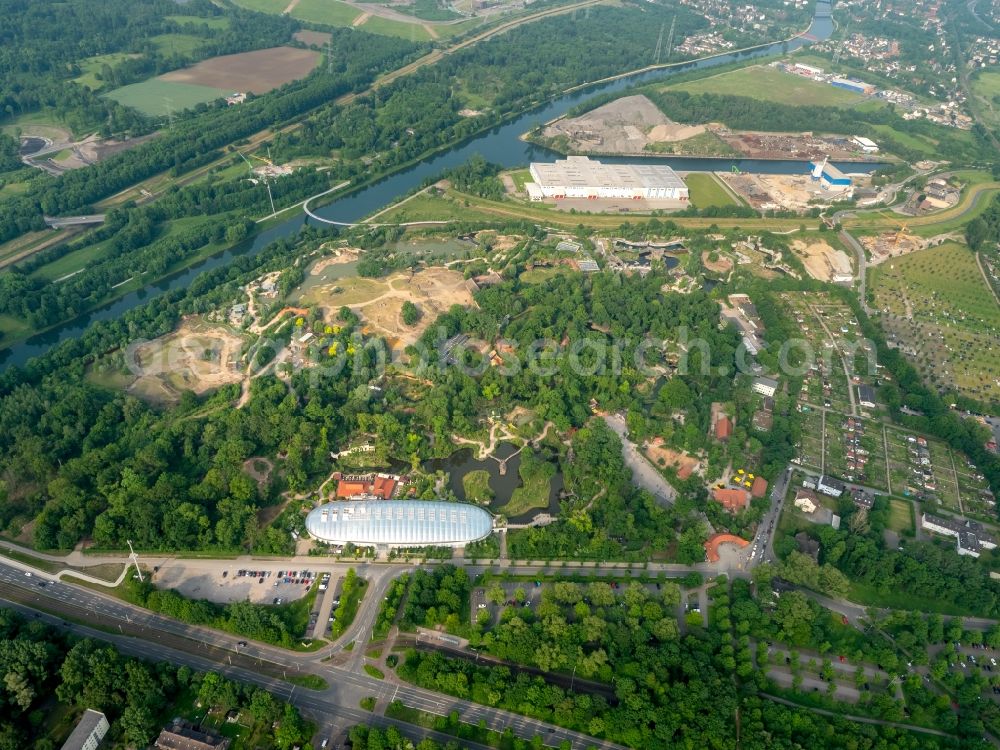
(196, 357)
(683, 463)
(258, 72)
(722, 265)
(348, 255)
(199, 581)
(379, 302)
(822, 261)
(624, 126)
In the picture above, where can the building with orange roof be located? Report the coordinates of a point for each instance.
(732, 499)
(759, 488)
(713, 542)
(723, 429)
(380, 486)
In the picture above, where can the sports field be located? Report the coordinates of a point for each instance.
(770, 84)
(158, 98)
(707, 191)
(936, 306)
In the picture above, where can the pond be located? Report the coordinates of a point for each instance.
(460, 463)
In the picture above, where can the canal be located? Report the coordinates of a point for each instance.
(501, 145)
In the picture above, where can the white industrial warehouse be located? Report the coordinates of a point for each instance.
(580, 177)
(399, 523)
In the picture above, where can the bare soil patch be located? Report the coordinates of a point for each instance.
(624, 126)
(197, 357)
(258, 72)
(684, 464)
(822, 261)
(318, 38)
(721, 264)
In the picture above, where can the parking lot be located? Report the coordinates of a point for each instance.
(263, 584)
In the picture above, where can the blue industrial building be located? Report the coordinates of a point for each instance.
(829, 176)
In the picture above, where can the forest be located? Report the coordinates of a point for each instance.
(47, 673)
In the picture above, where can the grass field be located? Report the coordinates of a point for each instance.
(986, 88)
(180, 44)
(71, 262)
(936, 303)
(900, 515)
(212, 23)
(477, 486)
(771, 85)
(536, 477)
(91, 66)
(429, 207)
(158, 98)
(328, 12)
(707, 191)
(415, 32)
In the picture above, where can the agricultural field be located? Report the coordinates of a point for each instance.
(707, 191)
(91, 67)
(326, 12)
(264, 6)
(773, 85)
(257, 72)
(936, 307)
(415, 32)
(158, 98)
(427, 10)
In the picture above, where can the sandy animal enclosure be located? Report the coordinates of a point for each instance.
(258, 72)
(197, 357)
(379, 303)
(822, 261)
(624, 126)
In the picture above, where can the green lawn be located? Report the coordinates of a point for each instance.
(263, 6)
(477, 486)
(91, 66)
(71, 262)
(157, 98)
(212, 23)
(900, 515)
(706, 190)
(986, 87)
(429, 10)
(328, 12)
(180, 44)
(771, 84)
(536, 477)
(415, 32)
(431, 207)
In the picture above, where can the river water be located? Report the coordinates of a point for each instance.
(501, 145)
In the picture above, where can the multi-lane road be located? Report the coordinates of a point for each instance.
(150, 635)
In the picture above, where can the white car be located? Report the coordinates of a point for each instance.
(27, 573)
(993, 661)
(482, 606)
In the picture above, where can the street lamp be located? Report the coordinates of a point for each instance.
(135, 559)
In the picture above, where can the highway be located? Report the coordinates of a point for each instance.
(60, 222)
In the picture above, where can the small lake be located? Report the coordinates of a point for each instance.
(460, 463)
